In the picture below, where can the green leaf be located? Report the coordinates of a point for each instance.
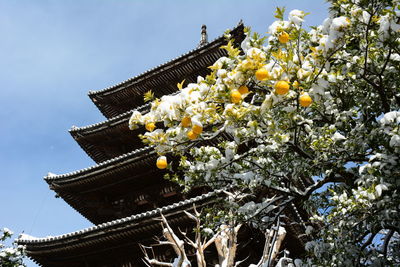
(148, 96)
(180, 85)
(232, 51)
(279, 12)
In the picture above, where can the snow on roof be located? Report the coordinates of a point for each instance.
(27, 239)
(101, 166)
(105, 90)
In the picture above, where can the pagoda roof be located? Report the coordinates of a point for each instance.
(123, 185)
(95, 191)
(162, 79)
(80, 176)
(101, 243)
(128, 231)
(110, 138)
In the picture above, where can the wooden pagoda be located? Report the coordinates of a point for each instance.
(123, 194)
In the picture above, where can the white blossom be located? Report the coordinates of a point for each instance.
(338, 137)
(296, 16)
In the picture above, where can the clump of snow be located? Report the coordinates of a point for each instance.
(26, 237)
(50, 174)
(296, 16)
(338, 136)
(390, 117)
(7, 231)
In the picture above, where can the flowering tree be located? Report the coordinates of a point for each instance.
(313, 115)
(225, 241)
(10, 256)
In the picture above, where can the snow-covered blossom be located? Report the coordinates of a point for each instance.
(387, 23)
(135, 117)
(338, 136)
(339, 157)
(339, 23)
(278, 26)
(296, 16)
(390, 117)
(10, 255)
(7, 231)
(246, 45)
(395, 141)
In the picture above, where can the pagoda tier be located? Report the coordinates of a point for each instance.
(117, 243)
(121, 186)
(125, 180)
(116, 188)
(111, 138)
(162, 80)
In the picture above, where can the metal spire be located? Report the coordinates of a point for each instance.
(204, 38)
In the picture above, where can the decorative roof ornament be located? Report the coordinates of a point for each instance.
(204, 37)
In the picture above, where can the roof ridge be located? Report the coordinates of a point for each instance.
(141, 109)
(92, 93)
(24, 238)
(52, 177)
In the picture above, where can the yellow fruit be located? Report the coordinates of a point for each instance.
(150, 126)
(243, 89)
(197, 129)
(262, 74)
(186, 121)
(281, 87)
(305, 100)
(236, 97)
(192, 135)
(283, 38)
(162, 162)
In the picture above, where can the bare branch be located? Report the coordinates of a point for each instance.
(387, 241)
(226, 244)
(153, 261)
(366, 244)
(329, 179)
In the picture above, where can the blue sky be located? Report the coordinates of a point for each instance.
(53, 52)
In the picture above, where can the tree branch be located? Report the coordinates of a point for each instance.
(366, 244)
(386, 242)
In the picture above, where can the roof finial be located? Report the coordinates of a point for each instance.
(204, 38)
